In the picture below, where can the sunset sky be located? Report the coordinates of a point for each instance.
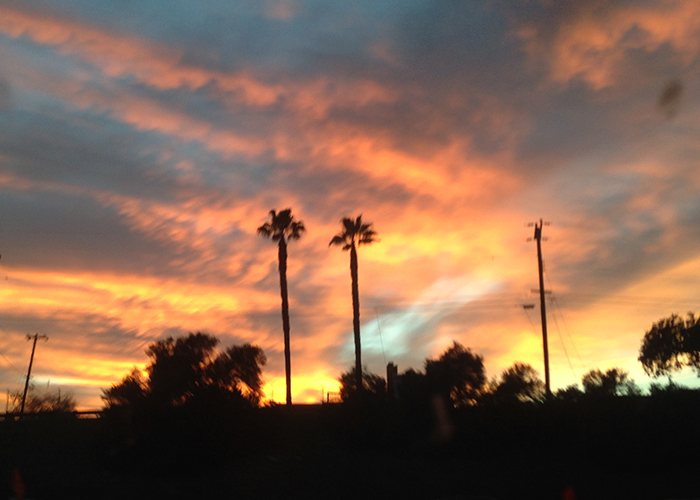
(143, 143)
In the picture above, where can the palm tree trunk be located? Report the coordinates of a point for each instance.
(356, 318)
(282, 258)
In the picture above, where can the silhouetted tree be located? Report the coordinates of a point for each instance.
(671, 344)
(458, 375)
(48, 402)
(374, 386)
(239, 368)
(178, 367)
(519, 383)
(570, 394)
(189, 411)
(189, 367)
(282, 228)
(354, 234)
(656, 389)
(613, 382)
(131, 390)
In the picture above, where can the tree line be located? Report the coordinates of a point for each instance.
(190, 369)
(458, 377)
(53, 402)
(196, 400)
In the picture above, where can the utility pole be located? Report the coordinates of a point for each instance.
(36, 337)
(543, 312)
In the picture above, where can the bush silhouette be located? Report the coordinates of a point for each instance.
(189, 411)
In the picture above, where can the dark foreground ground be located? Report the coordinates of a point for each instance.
(623, 448)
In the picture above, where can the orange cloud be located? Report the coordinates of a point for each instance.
(119, 55)
(454, 170)
(594, 43)
(141, 304)
(162, 68)
(280, 9)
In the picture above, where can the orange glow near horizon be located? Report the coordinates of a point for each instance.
(308, 388)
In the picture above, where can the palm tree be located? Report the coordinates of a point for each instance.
(282, 228)
(355, 233)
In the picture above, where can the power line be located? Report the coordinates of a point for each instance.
(637, 300)
(566, 327)
(10, 363)
(379, 329)
(554, 300)
(525, 308)
(566, 353)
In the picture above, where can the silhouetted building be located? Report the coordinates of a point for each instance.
(392, 375)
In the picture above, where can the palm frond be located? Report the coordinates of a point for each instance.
(296, 229)
(366, 240)
(265, 230)
(358, 222)
(284, 219)
(367, 235)
(348, 225)
(338, 239)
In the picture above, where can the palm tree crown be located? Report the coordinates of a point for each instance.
(282, 226)
(354, 232)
